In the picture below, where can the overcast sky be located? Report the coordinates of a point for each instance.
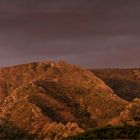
(91, 33)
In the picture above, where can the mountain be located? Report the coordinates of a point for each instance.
(124, 82)
(54, 100)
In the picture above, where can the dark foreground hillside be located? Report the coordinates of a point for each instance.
(110, 132)
(124, 82)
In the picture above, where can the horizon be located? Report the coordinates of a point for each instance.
(90, 33)
(30, 62)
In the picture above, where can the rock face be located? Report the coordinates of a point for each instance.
(50, 101)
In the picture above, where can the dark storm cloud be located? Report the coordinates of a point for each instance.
(93, 33)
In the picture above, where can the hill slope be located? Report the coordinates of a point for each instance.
(55, 100)
(124, 82)
(109, 132)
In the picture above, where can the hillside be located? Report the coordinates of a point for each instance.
(48, 100)
(124, 82)
(110, 132)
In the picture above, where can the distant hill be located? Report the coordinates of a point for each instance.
(124, 82)
(48, 100)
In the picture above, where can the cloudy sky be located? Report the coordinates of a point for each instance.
(91, 33)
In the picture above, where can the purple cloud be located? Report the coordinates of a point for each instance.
(92, 33)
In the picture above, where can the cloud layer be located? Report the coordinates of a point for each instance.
(92, 33)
